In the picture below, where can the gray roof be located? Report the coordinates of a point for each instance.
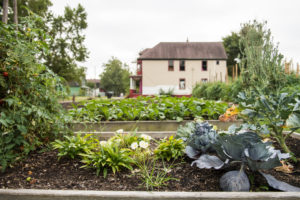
(185, 50)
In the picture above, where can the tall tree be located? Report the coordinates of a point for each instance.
(67, 45)
(5, 11)
(233, 49)
(15, 5)
(115, 77)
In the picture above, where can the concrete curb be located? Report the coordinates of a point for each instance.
(30, 194)
(168, 125)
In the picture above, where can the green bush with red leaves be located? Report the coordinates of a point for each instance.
(30, 115)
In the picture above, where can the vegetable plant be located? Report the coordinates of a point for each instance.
(170, 148)
(272, 114)
(147, 108)
(199, 137)
(247, 149)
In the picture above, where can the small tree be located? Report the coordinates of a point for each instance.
(115, 77)
(261, 63)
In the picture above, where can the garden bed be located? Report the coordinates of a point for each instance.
(46, 172)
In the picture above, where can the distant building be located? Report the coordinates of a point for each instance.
(178, 66)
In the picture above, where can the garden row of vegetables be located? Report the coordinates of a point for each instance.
(147, 108)
(199, 140)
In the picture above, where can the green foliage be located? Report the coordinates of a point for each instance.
(126, 140)
(261, 63)
(247, 148)
(30, 113)
(270, 114)
(233, 49)
(169, 92)
(109, 156)
(115, 77)
(154, 177)
(170, 149)
(199, 137)
(73, 146)
(148, 108)
(218, 91)
(67, 43)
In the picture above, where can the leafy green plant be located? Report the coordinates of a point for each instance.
(31, 115)
(73, 146)
(170, 148)
(147, 108)
(270, 114)
(248, 149)
(109, 156)
(199, 137)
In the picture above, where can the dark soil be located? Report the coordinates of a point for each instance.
(46, 172)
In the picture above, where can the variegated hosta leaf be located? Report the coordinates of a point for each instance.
(279, 185)
(235, 181)
(191, 152)
(206, 162)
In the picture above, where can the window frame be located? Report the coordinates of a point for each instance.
(205, 70)
(169, 68)
(204, 80)
(180, 65)
(184, 83)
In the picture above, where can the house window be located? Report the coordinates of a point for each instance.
(218, 62)
(182, 65)
(204, 80)
(204, 65)
(171, 65)
(182, 83)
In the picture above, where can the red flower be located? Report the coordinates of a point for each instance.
(5, 74)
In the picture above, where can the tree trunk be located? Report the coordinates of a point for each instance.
(5, 11)
(15, 12)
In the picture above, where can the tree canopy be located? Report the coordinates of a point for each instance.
(115, 77)
(66, 46)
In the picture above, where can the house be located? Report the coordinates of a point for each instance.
(178, 66)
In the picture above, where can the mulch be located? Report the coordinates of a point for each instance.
(43, 170)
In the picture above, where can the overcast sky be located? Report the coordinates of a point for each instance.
(122, 28)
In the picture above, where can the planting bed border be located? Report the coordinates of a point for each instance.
(31, 194)
(143, 126)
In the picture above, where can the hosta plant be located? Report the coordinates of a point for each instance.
(109, 156)
(72, 146)
(247, 149)
(170, 148)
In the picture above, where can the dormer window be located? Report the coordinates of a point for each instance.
(182, 65)
(171, 65)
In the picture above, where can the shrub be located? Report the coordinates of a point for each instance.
(170, 149)
(30, 113)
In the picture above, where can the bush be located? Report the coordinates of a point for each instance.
(30, 113)
(170, 149)
(218, 91)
